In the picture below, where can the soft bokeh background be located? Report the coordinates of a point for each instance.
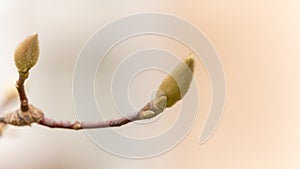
(258, 43)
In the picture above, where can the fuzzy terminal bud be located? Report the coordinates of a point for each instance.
(27, 54)
(177, 83)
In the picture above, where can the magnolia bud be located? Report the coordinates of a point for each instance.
(27, 54)
(177, 83)
(146, 114)
(160, 102)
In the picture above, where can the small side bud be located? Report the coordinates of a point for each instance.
(160, 102)
(27, 54)
(76, 125)
(177, 83)
(146, 114)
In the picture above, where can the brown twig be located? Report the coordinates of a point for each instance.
(21, 91)
(35, 115)
(76, 125)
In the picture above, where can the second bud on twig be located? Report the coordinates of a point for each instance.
(27, 54)
(177, 83)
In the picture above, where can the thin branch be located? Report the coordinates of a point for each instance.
(21, 91)
(35, 115)
(76, 125)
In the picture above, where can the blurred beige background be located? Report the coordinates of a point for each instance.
(258, 45)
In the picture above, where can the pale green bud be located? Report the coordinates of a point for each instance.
(27, 54)
(146, 114)
(177, 83)
(160, 102)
